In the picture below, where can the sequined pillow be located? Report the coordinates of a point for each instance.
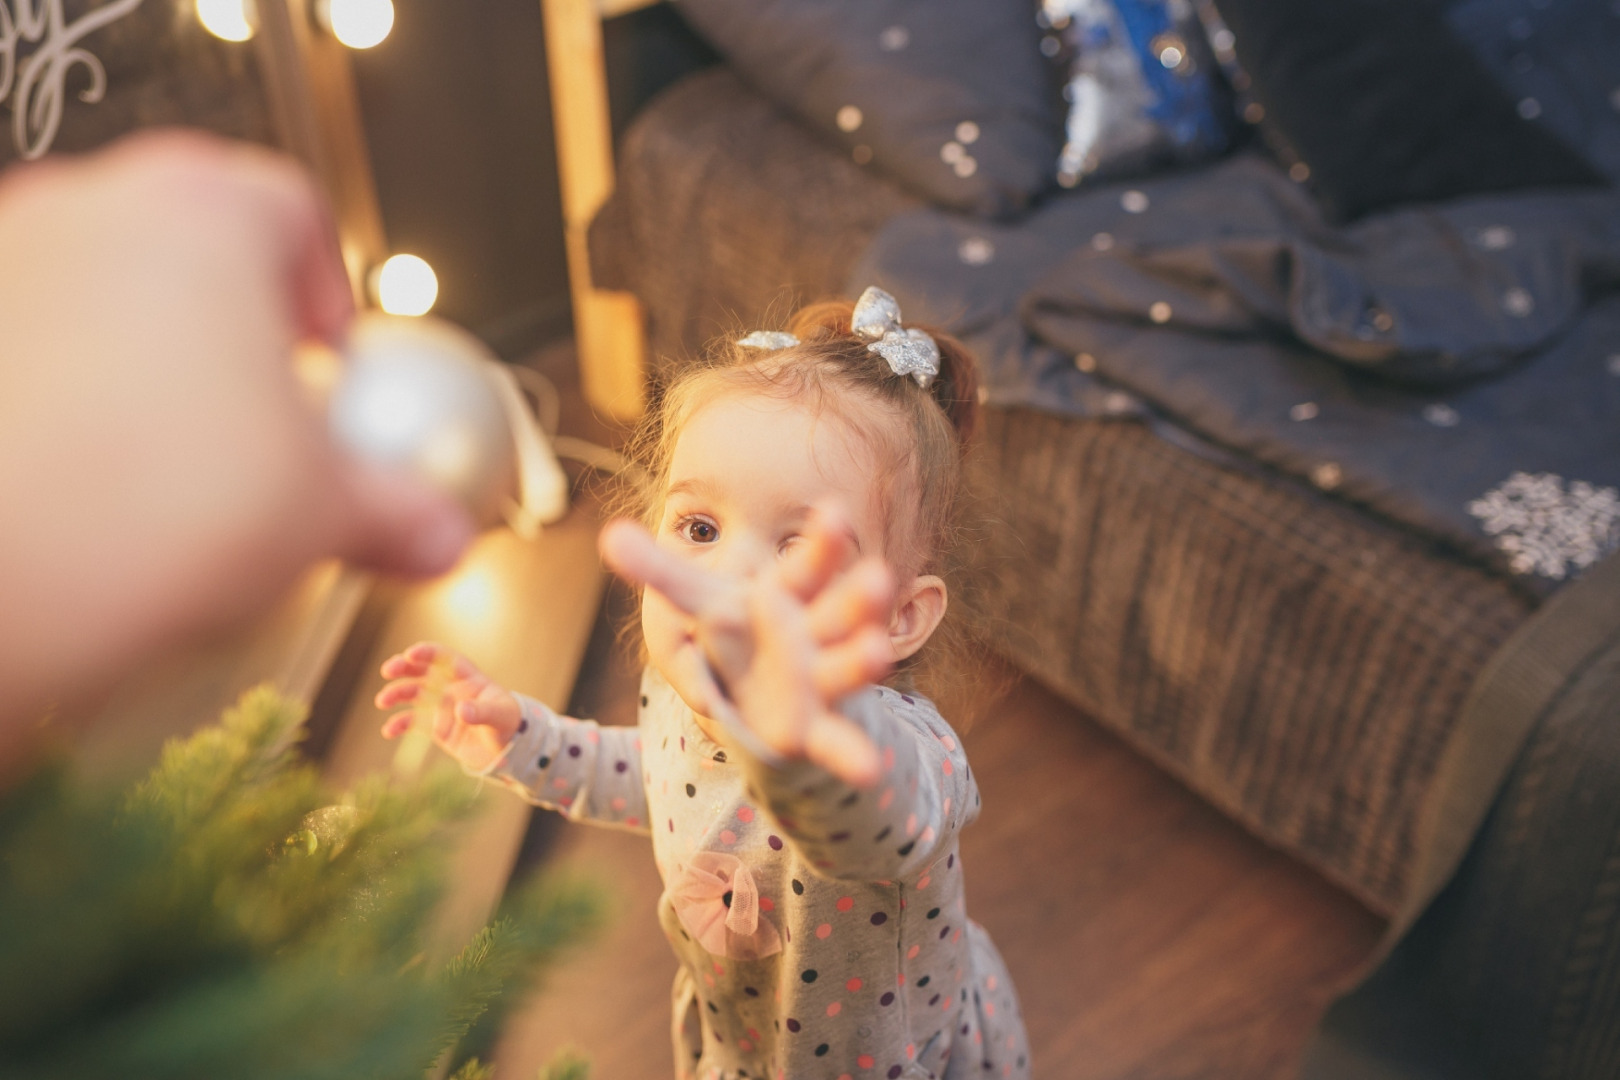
(951, 98)
(1142, 86)
(1376, 103)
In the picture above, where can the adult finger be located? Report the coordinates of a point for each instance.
(630, 551)
(393, 523)
(861, 597)
(842, 748)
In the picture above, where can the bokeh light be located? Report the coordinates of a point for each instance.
(359, 24)
(233, 20)
(405, 285)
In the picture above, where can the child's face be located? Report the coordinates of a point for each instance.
(745, 471)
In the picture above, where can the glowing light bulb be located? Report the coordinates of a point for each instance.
(405, 285)
(233, 20)
(359, 24)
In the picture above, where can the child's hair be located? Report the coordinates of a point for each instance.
(927, 442)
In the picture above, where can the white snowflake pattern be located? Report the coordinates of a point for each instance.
(1548, 526)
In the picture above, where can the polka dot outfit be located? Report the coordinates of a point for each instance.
(821, 930)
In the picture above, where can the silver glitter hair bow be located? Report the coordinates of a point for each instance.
(909, 352)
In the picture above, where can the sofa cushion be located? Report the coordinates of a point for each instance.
(1383, 104)
(950, 97)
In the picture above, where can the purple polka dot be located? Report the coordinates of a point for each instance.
(907, 699)
(886, 999)
(775, 842)
(671, 824)
(934, 1000)
(950, 862)
(943, 932)
(573, 751)
(793, 1025)
(750, 991)
(523, 725)
(838, 837)
(894, 1071)
(683, 742)
(620, 766)
(879, 918)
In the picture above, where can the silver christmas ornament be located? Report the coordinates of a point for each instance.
(417, 395)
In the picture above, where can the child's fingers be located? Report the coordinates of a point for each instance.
(398, 692)
(828, 546)
(861, 597)
(630, 551)
(398, 724)
(850, 665)
(419, 658)
(842, 748)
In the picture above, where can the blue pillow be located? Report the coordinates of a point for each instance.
(1143, 88)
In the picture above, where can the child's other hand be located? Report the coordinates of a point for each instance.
(787, 644)
(472, 717)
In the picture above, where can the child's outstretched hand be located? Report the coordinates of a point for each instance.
(785, 646)
(472, 718)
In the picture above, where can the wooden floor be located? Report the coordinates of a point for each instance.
(1150, 938)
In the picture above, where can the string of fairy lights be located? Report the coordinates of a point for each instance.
(404, 284)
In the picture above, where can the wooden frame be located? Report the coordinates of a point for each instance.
(609, 329)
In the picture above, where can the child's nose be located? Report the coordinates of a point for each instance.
(747, 556)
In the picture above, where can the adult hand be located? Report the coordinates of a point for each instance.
(161, 471)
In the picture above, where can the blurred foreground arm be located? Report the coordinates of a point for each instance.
(161, 473)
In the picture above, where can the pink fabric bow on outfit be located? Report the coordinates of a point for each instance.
(716, 900)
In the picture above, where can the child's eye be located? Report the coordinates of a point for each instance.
(698, 531)
(788, 544)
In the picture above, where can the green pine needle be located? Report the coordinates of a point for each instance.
(229, 917)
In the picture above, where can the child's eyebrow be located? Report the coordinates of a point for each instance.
(691, 486)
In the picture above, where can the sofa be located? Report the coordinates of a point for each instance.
(1274, 537)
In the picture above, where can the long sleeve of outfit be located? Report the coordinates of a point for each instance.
(577, 767)
(821, 930)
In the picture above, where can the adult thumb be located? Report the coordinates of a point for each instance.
(398, 525)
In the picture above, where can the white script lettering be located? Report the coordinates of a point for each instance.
(35, 84)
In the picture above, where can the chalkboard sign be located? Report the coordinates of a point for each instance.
(77, 73)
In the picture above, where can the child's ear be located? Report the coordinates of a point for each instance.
(917, 614)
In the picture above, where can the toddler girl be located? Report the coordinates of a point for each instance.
(804, 819)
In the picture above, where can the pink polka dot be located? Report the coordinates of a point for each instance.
(1006, 1070)
(727, 836)
(744, 1044)
(593, 736)
(911, 1050)
(928, 835)
(767, 904)
(708, 979)
(638, 746)
(990, 983)
(957, 936)
(1012, 1043)
(752, 1034)
(950, 743)
(886, 798)
(911, 953)
(619, 804)
(900, 980)
(824, 931)
(834, 1009)
(945, 1006)
(745, 814)
(853, 986)
(947, 808)
(948, 767)
(845, 903)
(559, 783)
(911, 825)
(633, 822)
(922, 882)
(888, 758)
(865, 1061)
(989, 1008)
(844, 1076)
